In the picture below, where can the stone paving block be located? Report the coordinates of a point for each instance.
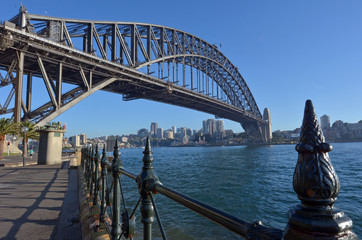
(44, 214)
(8, 213)
(31, 200)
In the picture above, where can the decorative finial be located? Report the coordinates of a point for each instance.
(117, 162)
(147, 179)
(311, 133)
(93, 151)
(317, 186)
(147, 157)
(104, 155)
(315, 180)
(97, 156)
(116, 152)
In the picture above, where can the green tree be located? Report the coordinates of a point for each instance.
(30, 134)
(7, 126)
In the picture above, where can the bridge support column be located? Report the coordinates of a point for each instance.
(19, 87)
(267, 128)
(50, 146)
(254, 132)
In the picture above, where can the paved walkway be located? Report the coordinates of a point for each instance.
(36, 203)
(17, 161)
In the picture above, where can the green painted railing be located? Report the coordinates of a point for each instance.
(314, 181)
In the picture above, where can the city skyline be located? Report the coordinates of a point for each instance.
(321, 123)
(287, 52)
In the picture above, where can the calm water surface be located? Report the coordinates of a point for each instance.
(252, 183)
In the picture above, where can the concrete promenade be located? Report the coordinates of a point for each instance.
(36, 202)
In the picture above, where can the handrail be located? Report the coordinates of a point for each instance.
(224, 219)
(128, 174)
(151, 185)
(309, 220)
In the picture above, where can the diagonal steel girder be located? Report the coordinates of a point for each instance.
(79, 98)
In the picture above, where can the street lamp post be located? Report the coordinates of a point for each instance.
(8, 144)
(24, 130)
(13, 139)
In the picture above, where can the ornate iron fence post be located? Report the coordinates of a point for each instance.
(84, 159)
(88, 173)
(96, 176)
(91, 170)
(104, 164)
(146, 182)
(317, 186)
(116, 217)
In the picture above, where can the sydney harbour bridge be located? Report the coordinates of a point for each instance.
(137, 60)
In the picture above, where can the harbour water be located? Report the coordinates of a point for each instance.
(250, 182)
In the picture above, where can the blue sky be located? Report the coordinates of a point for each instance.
(287, 51)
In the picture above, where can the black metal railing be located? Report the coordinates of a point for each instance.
(315, 218)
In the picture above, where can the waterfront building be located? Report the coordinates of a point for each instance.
(153, 129)
(74, 141)
(142, 133)
(189, 132)
(183, 132)
(337, 125)
(229, 133)
(325, 122)
(83, 139)
(174, 130)
(204, 127)
(220, 126)
(159, 133)
(209, 126)
(124, 139)
(168, 134)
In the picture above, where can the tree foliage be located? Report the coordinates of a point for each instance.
(32, 130)
(7, 126)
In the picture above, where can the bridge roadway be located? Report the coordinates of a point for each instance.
(36, 56)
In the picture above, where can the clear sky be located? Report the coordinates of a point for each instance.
(287, 51)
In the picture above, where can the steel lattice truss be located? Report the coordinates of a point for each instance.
(134, 59)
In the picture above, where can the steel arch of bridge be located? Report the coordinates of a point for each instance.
(135, 49)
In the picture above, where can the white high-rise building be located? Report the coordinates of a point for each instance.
(325, 122)
(220, 126)
(74, 140)
(174, 130)
(153, 128)
(83, 139)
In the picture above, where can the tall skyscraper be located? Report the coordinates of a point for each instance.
(183, 131)
(174, 129)
(153, 129)
(220, 126)
(159, 133)
(74, 140)
(209, 126)
(325, 122)
(83, 139)
(204, 127)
